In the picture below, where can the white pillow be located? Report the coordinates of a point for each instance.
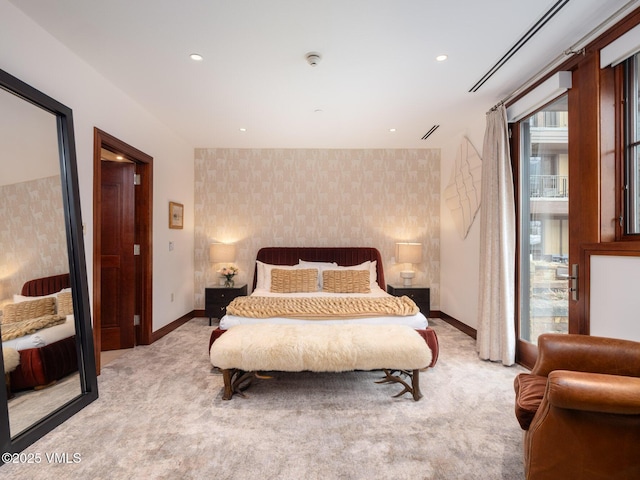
(368, 265)
(320, 266)
(373, 273)
(264, 274)
(23, 298)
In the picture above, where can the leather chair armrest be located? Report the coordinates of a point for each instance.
(584, 353)
(594, 392)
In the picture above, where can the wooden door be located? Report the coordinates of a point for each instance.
(544, 236)
(117, 266)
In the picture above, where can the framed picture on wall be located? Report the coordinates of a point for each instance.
(176, 215)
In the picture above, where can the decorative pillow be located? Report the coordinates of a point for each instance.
(263, 280)
(23, 298)
(320, 266)
(294, 281)
(65, 304)
(3, 303)
(19, 312)
(346, 281)
(371, 266)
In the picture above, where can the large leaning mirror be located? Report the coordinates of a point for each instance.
(47, 345)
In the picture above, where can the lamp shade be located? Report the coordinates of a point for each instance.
(222, 252)
(408, 252)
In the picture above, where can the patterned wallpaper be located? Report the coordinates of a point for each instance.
(33, 240)
(299, 197)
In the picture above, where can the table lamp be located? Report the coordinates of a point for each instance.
(221, 253)
(409, 254)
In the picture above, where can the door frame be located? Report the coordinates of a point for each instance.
(143, 235)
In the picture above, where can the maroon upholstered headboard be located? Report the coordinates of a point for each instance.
(46, 285)
(345, 256)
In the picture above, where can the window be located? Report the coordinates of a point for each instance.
(632, 147)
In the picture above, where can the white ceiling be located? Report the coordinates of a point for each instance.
(378, 69)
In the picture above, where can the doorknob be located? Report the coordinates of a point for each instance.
(574, 282)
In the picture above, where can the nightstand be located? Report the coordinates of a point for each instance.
(216, 299)
(420, 295)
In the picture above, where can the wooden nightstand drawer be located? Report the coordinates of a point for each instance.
(216, 299)
(420, 295)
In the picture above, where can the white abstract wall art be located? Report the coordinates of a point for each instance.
(462, 194)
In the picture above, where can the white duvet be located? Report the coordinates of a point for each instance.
(418, 321)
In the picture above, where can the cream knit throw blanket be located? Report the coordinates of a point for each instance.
(19, 329)
(321, 307)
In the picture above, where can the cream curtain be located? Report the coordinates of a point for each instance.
(496, 310)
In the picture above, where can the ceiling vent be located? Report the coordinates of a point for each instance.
(548, 15)
(431, 130)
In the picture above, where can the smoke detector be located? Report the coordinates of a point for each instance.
(313, 58)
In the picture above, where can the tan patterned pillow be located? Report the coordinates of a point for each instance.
(346, 281)
(19, 312)
(294, 281)
(65, 304)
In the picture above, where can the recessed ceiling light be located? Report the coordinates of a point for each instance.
(441, 58)
(243, 129)
(392, 130)
(318, 110)
(119, 157)
(196, 56)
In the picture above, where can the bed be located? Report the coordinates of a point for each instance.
(48, 354)
(324, 258)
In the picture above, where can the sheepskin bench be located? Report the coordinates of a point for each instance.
(244, 350)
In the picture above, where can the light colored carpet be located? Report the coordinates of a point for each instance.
(109, 356)
(160, 416)
(29, 406)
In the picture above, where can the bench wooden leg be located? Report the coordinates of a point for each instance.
(236, 381)
(413, 389)
(228, 391)
(415, 383)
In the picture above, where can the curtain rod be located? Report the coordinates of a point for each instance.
(496, 106)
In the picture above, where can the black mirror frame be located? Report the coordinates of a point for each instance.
(77, 271)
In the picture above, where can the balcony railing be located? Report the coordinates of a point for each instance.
(548, 186)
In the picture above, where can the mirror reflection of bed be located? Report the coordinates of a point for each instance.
(33, 245)
(46, 376)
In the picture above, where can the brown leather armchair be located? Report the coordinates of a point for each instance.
(580, 409)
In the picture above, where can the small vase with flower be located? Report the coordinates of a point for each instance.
(228, 273)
